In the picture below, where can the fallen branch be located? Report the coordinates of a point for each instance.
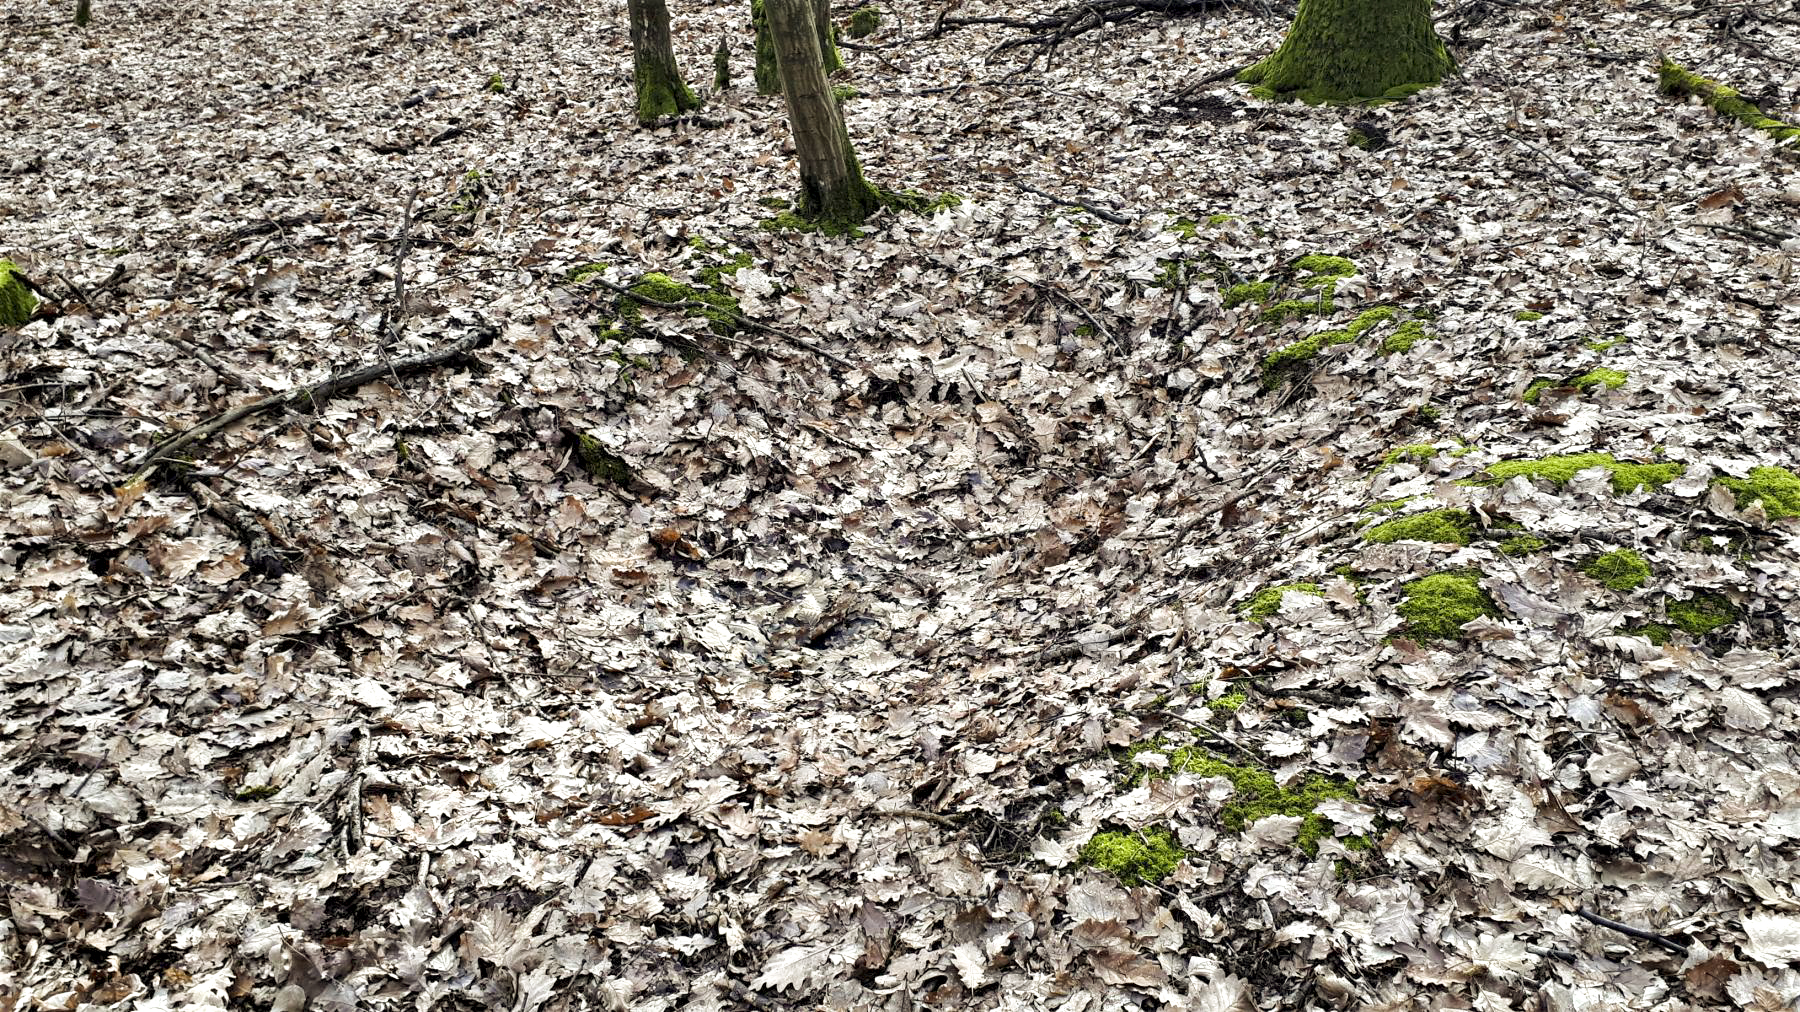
(1099, 327)
(1753, 232)
(1104, 215)
(1625, 929)
(260, 551)
(1222, 74)
(146, 463)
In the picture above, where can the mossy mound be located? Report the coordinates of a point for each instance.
(1230, 702)
(1701, 614)
(1250, 291)
(1134, 858)
(1622, 570)
(864, 21)
(1280, 366)
(16, 299)
(1436, 607)
(1257, 796)
(576, 275)
(719, 309)
(1442, 527)
(1776, 488)
(602, 464)
(1559, 470)
(1405, 337)
(1267, 602)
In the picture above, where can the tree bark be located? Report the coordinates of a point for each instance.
(768, 77)
(82, 13)
(833, 192)
(660, 89)
(1354, 51)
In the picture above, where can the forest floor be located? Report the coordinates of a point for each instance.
(619, 663)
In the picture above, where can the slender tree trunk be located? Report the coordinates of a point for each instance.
(828, 51)
(82, 13)
(768, 78)
(832, 189)
(1354, 51)
(660, 89)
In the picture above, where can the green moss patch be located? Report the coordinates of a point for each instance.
(1405, 337)
(1257, 796)
(600, 463)
(16, 299)
(719, 309)
(1524, 544)
(1674, 79)
(1252, 291)
(788, 220)
(1601, 378)
(1417, 452)
(1559, 470)
(1623, 570)
(1438, 606)
(1281, 365)
(1701, 614)
(1443, 527)
(1230, 702)
(1134, 857)
(1267, 602)
(1608, 379)
(576, 275)
(1389, 505)
(1528, 316)
(1777, 488)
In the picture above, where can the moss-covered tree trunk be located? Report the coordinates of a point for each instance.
(660, 89)
(83, 13)
(768, 78)
(832, 189)
(1354, 51)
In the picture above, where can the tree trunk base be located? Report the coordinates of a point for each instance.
(1354, 51)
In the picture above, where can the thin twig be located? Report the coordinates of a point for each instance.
(1101, 213)
(1102, 328)
(914, 813)
(1212, 78)
(396, 321)
(1625, 929)
(1754, 233)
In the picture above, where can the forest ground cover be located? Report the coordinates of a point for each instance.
(623, 663)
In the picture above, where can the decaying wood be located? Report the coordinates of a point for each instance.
(147, 462)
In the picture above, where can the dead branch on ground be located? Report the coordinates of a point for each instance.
(146, 463)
